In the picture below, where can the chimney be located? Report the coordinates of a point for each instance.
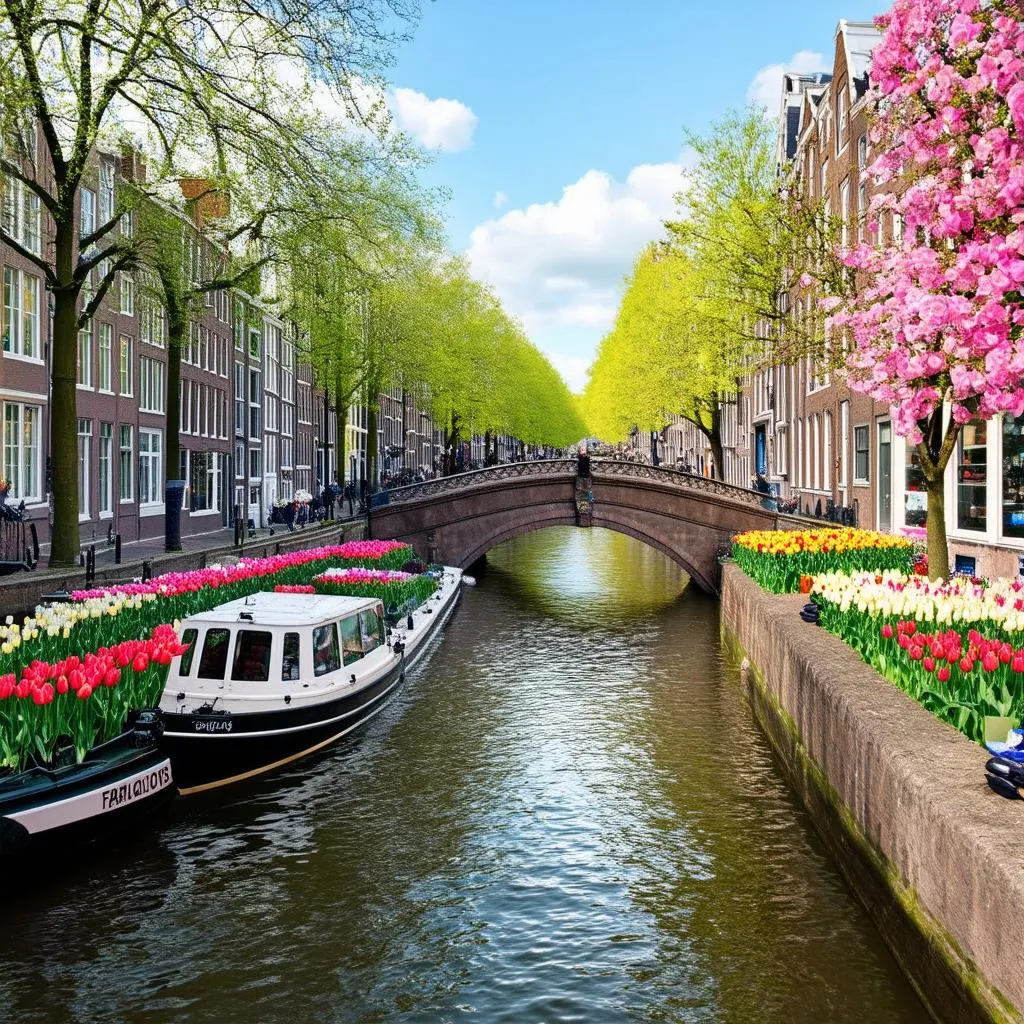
(208, 202)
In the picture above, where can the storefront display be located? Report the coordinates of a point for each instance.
(1012, 485)
(972, 477)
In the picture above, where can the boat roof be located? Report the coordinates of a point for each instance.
(270, 609)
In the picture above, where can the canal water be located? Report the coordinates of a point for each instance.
(568, 814)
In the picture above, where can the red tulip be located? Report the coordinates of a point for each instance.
(915, 652)
(141, 662)
(929, 664)
(84, 692)
(887, 631)
(112, 677)
(1018, 662)
(989, 661)
(943, 674)
(966, 664)
(62, 684)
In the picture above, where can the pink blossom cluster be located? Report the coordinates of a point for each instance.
(941, 313)
(359, 575)
(172, 584)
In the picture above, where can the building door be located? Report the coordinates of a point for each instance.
(760, 450)
(885, 475)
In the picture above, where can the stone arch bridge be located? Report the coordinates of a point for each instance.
(457, 519)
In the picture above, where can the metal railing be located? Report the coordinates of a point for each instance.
(567, 468)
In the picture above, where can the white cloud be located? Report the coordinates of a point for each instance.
(500, 199)
(765, 89)
(442, 124)
(560, 265)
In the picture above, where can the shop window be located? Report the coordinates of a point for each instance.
(1013, 476)
(972, 477)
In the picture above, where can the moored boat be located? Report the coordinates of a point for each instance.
(273, 677)
(46, 809)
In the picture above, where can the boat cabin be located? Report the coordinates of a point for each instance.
(278, 638)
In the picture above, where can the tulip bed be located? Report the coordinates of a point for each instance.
(778, 559)
(81, 701)
(397, 590)
(72, 672)
(955, 645)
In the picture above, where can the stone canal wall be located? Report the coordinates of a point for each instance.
(900, 799)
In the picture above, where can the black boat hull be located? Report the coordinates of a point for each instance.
(210, 749)
(46, 811)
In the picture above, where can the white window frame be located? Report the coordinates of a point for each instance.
(151, 457)
(859, 480)
(105, 346)
(84, 469)
(20, 464)
(14, 319)
(106, 480)
(83, 362)
(125, 366)
(125, 460)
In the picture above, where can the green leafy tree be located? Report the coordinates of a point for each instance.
(231, 78)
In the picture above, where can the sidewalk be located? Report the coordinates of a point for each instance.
(151, 547)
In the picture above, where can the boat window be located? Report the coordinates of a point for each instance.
(215, 654)
(371, 630)
(325, 649)
(252, 656)
(351, 642)
(189, 638)
(290, 657)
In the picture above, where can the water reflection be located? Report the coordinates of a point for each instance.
(546, 824)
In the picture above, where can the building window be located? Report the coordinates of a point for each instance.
(861, 442)
(862, 211)
(844, 211)
(126, 465)
(1013, 476)
(21, 461)
(150, 466)
(972, 477)
(826, 461)
(205, 480)
(125, 362)
(255, 464)
(239, 461)
(106, 468)
(19, 213)
(106, 192)
(87, 213)
(862, 152)
(254, 404)
(127, 294)
(151, 385)
(85, 356)
(84, 466)
(844, 444)
(21, 313)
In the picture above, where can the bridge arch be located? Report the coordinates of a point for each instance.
(688, 518)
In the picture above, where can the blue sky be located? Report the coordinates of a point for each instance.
(561, 138)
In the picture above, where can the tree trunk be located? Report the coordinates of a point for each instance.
(341, 422)
(64, 542)
(935, 451)
(371, 445)
(938, 548)
(717, 456)
(454, 442)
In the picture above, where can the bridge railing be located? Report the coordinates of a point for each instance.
(567, 467)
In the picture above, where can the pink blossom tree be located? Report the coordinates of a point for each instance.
(937, 317)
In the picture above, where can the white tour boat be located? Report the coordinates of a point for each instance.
(273, 677)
